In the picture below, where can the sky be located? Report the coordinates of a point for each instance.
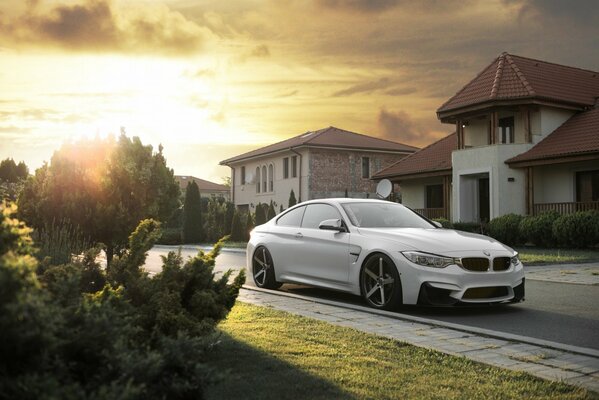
(212, 79)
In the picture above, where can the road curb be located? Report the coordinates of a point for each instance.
(449, 325)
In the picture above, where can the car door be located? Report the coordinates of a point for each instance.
(284, 241)
(325, 253)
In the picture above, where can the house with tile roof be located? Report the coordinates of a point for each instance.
(207, 189)
(526, 141)
(329, 162)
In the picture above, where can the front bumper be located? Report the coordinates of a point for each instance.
(455, 285)
(434, 296)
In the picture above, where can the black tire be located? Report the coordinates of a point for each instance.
(263, 270)
(380, 284)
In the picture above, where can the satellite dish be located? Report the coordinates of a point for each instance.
(384, 188)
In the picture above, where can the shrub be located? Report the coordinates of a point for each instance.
(474, 227)
(236, 227)
(270, 213)
(260, 215)
(538, 229)
(506, 229)
(57, 243)
(577, 230)
(82, 338)
(170, 236)
(445, 223)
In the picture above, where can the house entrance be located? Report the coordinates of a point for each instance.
(474, 198)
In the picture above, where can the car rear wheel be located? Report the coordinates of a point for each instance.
(380, 284)
(263, 270)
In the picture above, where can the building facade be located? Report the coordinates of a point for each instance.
(327, 163)
(207, 189)
(526, 141)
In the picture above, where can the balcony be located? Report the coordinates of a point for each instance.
(432, 213)
(566, 208)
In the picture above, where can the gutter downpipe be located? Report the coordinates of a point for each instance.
(299, 196)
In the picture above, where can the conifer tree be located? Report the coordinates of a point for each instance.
(192, 214)
(292, 200)
(271, 212)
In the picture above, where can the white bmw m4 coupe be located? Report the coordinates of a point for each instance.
(384, 252)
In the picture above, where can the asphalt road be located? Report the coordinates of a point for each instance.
(559, 312)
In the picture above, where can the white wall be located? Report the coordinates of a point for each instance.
(246, 194)
(557, 183)
(505, 197)
(549, 120)
(413, 192)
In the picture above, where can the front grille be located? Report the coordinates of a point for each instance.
(485, 292)
(501, 263)
(475, 264)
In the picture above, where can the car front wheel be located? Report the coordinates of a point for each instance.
(380, 284)
(263, 270)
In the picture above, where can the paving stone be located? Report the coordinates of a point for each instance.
(556, 374)
(588, 382)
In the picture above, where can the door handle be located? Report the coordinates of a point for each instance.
(299, 235)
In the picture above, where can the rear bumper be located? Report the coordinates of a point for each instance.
(436, 296)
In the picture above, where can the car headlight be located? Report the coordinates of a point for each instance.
(515, 260)
(429, 260)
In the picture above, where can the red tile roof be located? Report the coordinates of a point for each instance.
(203, 185)
(511, 77)
(328, 137)
(436, 157)
(577, 136)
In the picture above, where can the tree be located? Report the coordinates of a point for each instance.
(260, 217)
(292, 200)
(236, 228)
(192, 214)
(271, 213)
(248, 226)
(229, 214)
(11, 172)
(104, 187)
(346, 195)
(281, 209)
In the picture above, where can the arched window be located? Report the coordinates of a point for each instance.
(257, 179)
(264, 187)
(271, 177)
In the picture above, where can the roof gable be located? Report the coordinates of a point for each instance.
(578, 136)
(328, 137)
(203, 185)
(436, 157)
(511, 77)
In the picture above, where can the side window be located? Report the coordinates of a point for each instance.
(292, 218)
(316, 213)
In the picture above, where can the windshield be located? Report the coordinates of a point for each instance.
(384, 215)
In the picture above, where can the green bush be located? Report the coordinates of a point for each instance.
(120, 334)
(538, 229)
(445, 223)
(170, 236)
(57, 243)
(474, 227)
(577, 230)
(506, 229)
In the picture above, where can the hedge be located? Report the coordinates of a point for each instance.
(506, 229)
(538, 229)
(579, 230)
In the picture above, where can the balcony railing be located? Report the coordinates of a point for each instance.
(566, 208)
(431, 213)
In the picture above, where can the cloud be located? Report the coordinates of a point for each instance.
(201, 73)
(365, 87)
(259, 51)
(287, 94)
(95, 25)
(369, 6)
(399, 126)
(580, 11)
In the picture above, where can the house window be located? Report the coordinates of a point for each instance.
(506, 130)
(366, 167)
(257, 179)
(294, 166)
(243, 175)
(434, 196)
(271, 173)
(264, 179)
(285, 167)
(587, 186)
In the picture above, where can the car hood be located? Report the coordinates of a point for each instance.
(439, 241)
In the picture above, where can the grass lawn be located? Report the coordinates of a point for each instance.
(554, 256)
(236, 245)
(269, 354)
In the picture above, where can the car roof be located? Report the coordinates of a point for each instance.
(345, 200)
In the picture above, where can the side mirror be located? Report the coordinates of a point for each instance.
(332, 225)
(437, 224)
